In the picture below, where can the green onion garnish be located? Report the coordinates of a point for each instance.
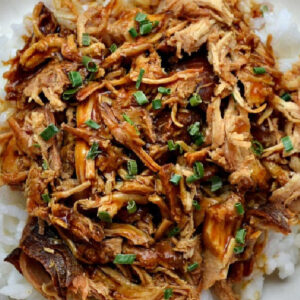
(168, 294)
(49, 132)
(133, 32)
(171, 145)
(45, 165)
(199, 169)
(174, 231)
(287, 143)
(196, 205)
(131, 207)
(257, 148)
(89, 64)
(195, 100)
(93, 152)
(192, 178)
(129, 121)
(238, 249)
(113, 48)
(139, 80)
(68, 94)
(156, 104)
(140, 98)
(46, 198)
(132, 167)
(155, 23)
(164, 90)
(192, 267)
(194, 129)
(259, 70)
(145, 28)
(75, 79)
(216, 183)
(286, 97)
(92, 124)
(140, 17)
(104, 216)
(86, 40)
(175, 179)
(124, 259)
(239, 208)
(240, 236)
(36, 145)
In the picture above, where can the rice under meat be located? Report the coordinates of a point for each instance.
(156, 145)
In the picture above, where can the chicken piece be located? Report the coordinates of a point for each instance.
(223, 290)
(220, 226)
(51, 81)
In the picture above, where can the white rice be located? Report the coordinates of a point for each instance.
(281, 254)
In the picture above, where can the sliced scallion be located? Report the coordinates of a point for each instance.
(163, 90)
(238, 249)
(259, 70)
(156, 104)
(45, 165)
(239, 208)
(240, 236)
(145, 28)
(89, 64)
(196, 205)
(132, 167)
(68, 94)
(168, 294)
(92, 124)
(113, 48)
(140, 98)
(75, 79)
(199, 169)
(133, 32)
(192, 178)
(287, 143)
(140, 17)
(46, 198)
(124, 259)
(139, 80)
(192, 267)
(216, 183)
(171, 145)
(286, 97)
(174, 231)
(195, 100)
(94, 151)
(257, 148)
(49, 132)
(131, 207)
(175, 179)
(104, 216)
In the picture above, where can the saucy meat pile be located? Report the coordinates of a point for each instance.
(156, 144)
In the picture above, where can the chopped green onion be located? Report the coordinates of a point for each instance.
(238, 249)
(259, 70)
(46, 198)
(164, 90)
(145, 28)
(92, 124)
(104, 216)
(286, 97)
(129, 121)
(156, 104)
(45, 165)
(49, 132)
(75, 79)
(199, 169)
(140, 98)
(174, 231)
(68, 94)
(93, 152)
(192, 178)
(140, 17)
(132, 167)
(257, 148)
(171, 145)
(196, 205)
(264, 9)
(168, 294)
(194, 129)
(199, 140)
(36, 145)
(240, 236)
(86, 40)
(216, 183)
(133, 32)
(89, 64)
(124, 259)
(175, 179)
(155, 23)
(139, 80)
(239, 208)
(131, 207)
(192, 267)
(287, 144)
(195, 100)
(113, 48)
